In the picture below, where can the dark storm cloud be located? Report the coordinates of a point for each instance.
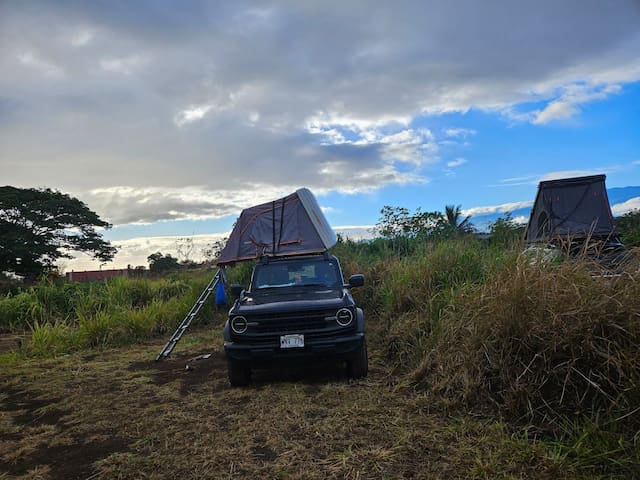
(224, 96)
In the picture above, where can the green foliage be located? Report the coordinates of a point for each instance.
(397, 222)
(38, 227)
(629, 228)
(116, 312)
(159, 263)
(506, 232)
(455, 223)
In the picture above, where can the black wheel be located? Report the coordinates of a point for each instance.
(239, 374)
(358, 366)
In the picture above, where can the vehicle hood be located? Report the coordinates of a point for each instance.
(292, 300)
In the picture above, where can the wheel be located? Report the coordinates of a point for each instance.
(239, 374)
(358, 366)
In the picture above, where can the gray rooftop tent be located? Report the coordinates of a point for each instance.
(292, 225)
(575, 208)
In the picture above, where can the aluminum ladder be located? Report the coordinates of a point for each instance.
(184, 325)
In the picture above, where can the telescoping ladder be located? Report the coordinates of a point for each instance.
(177, 335)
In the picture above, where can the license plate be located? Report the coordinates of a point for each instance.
(292, 341)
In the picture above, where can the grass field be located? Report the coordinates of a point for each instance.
(117, 414)
(483, 365)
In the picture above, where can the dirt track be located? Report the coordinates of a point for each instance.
(118, 414)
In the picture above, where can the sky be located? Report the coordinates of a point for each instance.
(169, 117)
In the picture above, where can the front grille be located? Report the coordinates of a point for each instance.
(313, 324)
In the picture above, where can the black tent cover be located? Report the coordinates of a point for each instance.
(574, 208)
(292, 225)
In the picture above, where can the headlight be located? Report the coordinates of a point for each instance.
(239, 324)
(344, 317)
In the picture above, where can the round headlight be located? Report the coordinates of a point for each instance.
(344, 317)
(239, 324)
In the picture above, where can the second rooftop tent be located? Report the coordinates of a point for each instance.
(575, 208)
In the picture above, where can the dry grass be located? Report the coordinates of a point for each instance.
(552, 346)
(116, 414)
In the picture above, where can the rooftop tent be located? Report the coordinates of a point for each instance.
(571, 207)
(292, 225)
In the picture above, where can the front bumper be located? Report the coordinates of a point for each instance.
(337, 348)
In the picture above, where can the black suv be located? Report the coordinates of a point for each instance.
(296, 308)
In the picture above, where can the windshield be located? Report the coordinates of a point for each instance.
(308, 272)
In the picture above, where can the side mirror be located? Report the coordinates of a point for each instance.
(236, 289)
(356, 280)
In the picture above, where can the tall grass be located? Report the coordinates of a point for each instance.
(65, 317)
(548, 346)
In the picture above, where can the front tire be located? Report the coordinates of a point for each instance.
(239, 374)
(358, 366)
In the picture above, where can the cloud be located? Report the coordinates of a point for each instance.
(456, 163)
(141, 95)
(536, 179)
(46, 67)
(124, 65)
(135, 251)
(626, 207)
(460, 132)
(568, 105)
(503, 208)
(191, 114)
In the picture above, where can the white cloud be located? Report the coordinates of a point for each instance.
(626, 207)
(460, 132)
(191, 114)
(130, 205)
(356, 232)
(135, 251)
(503, 208)
(567, 174)
(456, 163)
(536, 179)
(568, 105)
(521, 219)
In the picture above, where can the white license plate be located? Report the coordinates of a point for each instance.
(292, 341)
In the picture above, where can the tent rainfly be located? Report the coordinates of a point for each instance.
(575, 208)
(292, 225)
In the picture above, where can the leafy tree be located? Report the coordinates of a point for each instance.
(397, 222)
(455, 223)
(506, 231)
(629, 228)
(40, 226)
(159, 263)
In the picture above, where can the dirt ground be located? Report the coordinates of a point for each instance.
(118, 414)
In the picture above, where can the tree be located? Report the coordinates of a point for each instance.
(159, 263)
(396, 222)
(628, 226)
(40, 226)
(506, 231)
(453, 214)
(212, 251)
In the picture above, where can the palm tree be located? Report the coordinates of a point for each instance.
(454, 215)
